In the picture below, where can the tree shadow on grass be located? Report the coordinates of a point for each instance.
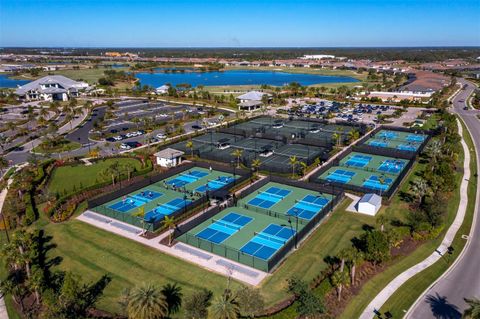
(441, 309)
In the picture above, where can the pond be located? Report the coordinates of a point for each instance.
(238, 77)
(7, 82)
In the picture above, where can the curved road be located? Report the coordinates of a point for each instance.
(445, 298)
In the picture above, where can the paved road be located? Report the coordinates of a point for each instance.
(445, 298)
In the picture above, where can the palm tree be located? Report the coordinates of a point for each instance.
(146, 302)
(381, 220)
(129, 168)
(336, 138)
(237, 153)
(225, 307)
(473, 312)
(434, 150)
(339, 280)
(169, 222)
(353, 135)
(256, 164)
(419, 189)
(356, 257)
(303, 167)
(293, 162)
(344, 255)
(190, 146)
(173, 295)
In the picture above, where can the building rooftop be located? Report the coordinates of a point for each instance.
(252, 95)
(169, 153)
(64, 82)
(371, 198)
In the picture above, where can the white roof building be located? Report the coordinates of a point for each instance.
(369, 204)
(251, 100)
(51, 87)
(169, 157)
(162, 89)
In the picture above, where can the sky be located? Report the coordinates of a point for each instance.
(241, 23)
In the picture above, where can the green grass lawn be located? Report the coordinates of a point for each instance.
(397, 210)
(66, 178)
(92, 252)
(404, 298)
(308, 261)
(64, 146)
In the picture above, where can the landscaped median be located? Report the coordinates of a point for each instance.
(408, 294)
(404, 297)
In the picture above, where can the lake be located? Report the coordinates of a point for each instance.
(238, 77)
(6, 82)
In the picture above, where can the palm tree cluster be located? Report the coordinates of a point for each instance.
(57, 294)
(148, 301)
(433, 188)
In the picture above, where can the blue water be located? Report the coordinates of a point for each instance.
(238, 77)
(6, 82)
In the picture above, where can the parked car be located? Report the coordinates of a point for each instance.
(196, 127)
(125, 146)
(110, 139)
(133, 144)
(161, 136)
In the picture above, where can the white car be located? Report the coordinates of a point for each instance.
(161, 136)
(125, 146)
(117, 138)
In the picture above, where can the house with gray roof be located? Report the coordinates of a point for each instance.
(51, 88)
(251, 100)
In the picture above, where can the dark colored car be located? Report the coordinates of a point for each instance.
(114, 131)
(110, 139)
(196, 127)
(133, 144)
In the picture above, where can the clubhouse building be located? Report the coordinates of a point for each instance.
(51, 88)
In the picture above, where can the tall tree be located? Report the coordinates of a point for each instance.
(196, 305)
(173, 296)
(293, 161)
(250, 301)
(146, 302)
(237, 153)
(225, 307)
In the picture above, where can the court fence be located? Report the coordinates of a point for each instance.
(182, 231)
(97, 203)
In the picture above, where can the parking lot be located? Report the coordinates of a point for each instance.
(359, 112)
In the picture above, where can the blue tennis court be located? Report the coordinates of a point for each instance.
(377, 143)
(136, 200)
(415, 138)
(223, 228)
(308, 207)
(407, 147)
(374, 182)
(358, 160)
(220, 182)
(391, 166)
(162, 210)
(270, 197)
(390, 135)
(266, 243)
(340, 176)
(186, 178)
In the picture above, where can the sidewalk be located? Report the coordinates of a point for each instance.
(3, 308)
(191, 254)
(396, 283)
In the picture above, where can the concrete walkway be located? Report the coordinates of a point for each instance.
(199, 257)
(396, 283)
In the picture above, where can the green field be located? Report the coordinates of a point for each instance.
(70, 177)
(65, 146)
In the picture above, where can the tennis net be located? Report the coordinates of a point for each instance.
(273, 239)
(225, 224)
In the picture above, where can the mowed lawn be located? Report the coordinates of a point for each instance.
(307, 262)
(66, 178)
(91, 253)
